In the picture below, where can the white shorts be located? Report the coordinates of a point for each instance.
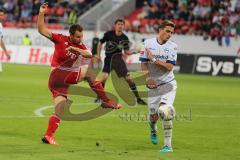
(162, 94)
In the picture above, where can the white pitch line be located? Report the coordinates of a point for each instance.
(112, 115)
(38, 112)
(18, 117)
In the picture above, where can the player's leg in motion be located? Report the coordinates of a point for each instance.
(106, 71)
(167, 129)
(153, 103)
(133, 88)
(105, 74)
(104, 78)
(152, 120)
(103, 81)
(168, 98)
(54, 120)
(99, 90)
(121, 69)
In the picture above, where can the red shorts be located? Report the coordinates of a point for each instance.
(60, 80)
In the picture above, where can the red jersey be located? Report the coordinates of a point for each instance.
(63, 58)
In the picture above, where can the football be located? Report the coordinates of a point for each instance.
(166, 112)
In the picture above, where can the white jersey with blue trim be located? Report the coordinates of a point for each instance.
(1, 31)
(166, 52)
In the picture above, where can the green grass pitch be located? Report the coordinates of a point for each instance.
(207, 125)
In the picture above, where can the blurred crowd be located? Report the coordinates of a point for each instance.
(215, 19)
(23, 13)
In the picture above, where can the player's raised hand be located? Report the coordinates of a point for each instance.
(43, 8)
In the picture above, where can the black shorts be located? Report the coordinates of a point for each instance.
(117, 64)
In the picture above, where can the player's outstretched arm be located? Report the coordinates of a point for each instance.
(40, 22)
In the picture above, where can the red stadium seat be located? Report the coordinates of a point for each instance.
(49, 11)
(54, 26)
(9, 24)
(60, 11)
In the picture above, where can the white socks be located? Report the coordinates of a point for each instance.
(167, 126)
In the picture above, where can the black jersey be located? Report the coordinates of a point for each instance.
(114, 43)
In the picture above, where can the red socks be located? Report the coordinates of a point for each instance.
(98, 88)
(53, 123)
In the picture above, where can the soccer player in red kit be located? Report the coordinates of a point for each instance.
(68, 67)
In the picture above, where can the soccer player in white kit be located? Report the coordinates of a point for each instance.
(1, 38)
(159, 55)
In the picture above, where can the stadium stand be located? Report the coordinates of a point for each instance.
(213, 19)
(23, 13)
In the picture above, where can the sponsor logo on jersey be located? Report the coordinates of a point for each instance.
(166, 50)
(160, 57)
(71, 55)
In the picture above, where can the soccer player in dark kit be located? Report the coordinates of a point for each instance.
(116, 42)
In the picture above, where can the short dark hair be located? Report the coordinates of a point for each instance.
(166, 23)
(74, 28)
(119, 20)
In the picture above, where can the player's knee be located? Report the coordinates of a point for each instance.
(90, 76)
(153, 118)
(60, 103)
(104, 77)
(166, 112)
(59, 99)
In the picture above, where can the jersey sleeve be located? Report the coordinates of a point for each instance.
(172, 58)
(56, 37)
(143, 53)
(104, 39)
